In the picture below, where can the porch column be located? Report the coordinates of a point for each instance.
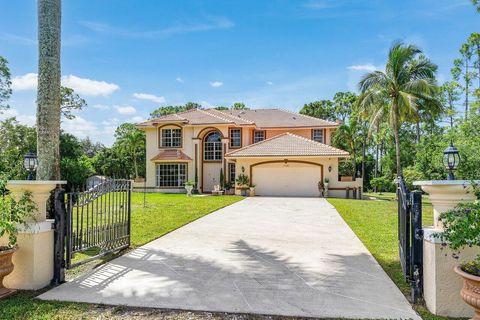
(441, 285)
(33, 260)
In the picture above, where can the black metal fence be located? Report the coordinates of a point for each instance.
(410, 237)
(93, 222)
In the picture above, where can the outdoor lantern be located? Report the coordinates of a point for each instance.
(451, 159)
(30, 163)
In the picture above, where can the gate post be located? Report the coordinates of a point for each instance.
(59, 236)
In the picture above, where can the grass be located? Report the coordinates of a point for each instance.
(375, 223)
(162, 214)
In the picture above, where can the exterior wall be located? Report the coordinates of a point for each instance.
(336, 188)
(192, 139)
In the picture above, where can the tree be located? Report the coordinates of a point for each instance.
(5, 83)
(49, 92)
(407, 81)
(222, 108)
(162, 111)
(70, 102)
(322, 109)
(450, 94)
(476, 3)
(239, 106)
(461, 71)
(347, 138)
(343, 103)
(132, 141)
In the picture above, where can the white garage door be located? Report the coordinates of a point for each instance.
(291, 179)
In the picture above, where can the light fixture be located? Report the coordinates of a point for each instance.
(451, 160)
(30, 163)
(243, 169)
(329, 168)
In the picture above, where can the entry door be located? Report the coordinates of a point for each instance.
(290, 179)
(211, 175)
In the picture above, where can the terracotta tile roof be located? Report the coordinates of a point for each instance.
(278, 118)
(262, 118)
(171, 154)
(287, 144)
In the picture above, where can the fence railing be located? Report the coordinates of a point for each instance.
(410, 237)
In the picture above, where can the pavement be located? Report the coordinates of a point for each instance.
(277, 256)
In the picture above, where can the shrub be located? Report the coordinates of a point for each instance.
(382, 184)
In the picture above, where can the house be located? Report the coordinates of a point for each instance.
(283, 153)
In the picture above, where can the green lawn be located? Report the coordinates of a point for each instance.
(375, 223)
(162, 214)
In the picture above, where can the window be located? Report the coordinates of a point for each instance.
(258, 136)
(235, 138)
(171, 138)
(317, 135)
(231, 172)
(171, 175)
(212, 147)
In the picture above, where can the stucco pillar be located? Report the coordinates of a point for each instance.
(33, 260)
(441, 285)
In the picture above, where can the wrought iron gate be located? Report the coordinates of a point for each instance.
(410, 237)
(95, 222)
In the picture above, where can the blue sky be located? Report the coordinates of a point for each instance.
(128, 57)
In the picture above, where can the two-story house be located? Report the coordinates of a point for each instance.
(282, 152)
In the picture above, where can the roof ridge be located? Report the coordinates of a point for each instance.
(234, 118)
(306, 116)
(257, 143)
(215, 115)
(310, 140)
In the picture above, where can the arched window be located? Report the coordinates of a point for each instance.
(212, 146)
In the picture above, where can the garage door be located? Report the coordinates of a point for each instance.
(291, 179)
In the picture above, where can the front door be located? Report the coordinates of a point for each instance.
(211, 175)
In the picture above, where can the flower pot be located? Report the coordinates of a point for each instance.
(243, 192)
(6, 267)
(470, 292)
(189, 190)
(252, 192)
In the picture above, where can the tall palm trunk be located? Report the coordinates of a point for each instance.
(48, 94)
(135, 165)
(396, 133)
(417, 128)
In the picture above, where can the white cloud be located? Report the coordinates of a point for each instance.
(26, 82)
(149, 97)
(363, 67)
(89, 87)
(82, 86)
(126, 110)
(212, 23)
(270, 83)
(216, 84)
(26, 119)
(136, 119)
(178, 79)
(80, 127)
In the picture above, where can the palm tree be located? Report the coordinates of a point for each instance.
(397, 93)
(347, 137)
(48, 95)
(132, 141)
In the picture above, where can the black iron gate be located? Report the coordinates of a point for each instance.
(410, 237)
(95, 222)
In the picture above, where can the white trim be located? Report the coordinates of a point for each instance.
(38, 227)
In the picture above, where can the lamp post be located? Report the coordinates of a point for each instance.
(30, 163)
(451, 159)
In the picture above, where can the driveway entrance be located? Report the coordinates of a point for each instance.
(282, 256)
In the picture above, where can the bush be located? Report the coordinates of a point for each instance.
(411, 174)
(382, 184)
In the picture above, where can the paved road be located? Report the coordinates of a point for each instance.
(282, 256)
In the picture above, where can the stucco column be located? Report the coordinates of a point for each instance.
(441, 285)
(33, 260)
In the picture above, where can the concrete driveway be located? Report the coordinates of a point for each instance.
(281, 256)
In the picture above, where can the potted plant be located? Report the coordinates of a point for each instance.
(243, 183)
(326, 182)
(229, 188)
(189, 187)
(462, 229)
(14, 216)
(252, 190)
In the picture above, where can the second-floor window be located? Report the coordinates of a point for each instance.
(235, 138)
(213, 147)
(171, 138)
(317, 135)
(258, 136)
